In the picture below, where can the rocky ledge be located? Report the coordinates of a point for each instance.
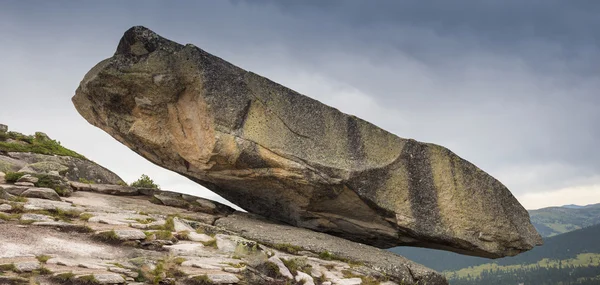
(112, 234)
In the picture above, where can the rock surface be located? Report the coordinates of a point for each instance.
(95, 236)
(285, 156)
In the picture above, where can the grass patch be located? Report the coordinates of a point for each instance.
(200, 280)
(44, 271)
(164, 235)
(88, 280)
(286, 247)
(169, 225)
(12, 177)
(43, 258)
(86, 216)
(145, 221)
(165, 268)
(64, 277)
(270, 269)
(8, 217)
(83, 180)
(19, 199)
(184, 235)
(297, 264)
(108, 236)
(36, 144)
(211, 243)
(8, 267)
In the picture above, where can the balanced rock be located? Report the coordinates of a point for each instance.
(285, 156)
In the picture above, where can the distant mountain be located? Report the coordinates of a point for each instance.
(560, 247)
(557, 220)
(572, 206)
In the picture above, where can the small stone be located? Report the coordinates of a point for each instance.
(5, 208)
(109, 278)
(128, 234)
(199, 264)
(180, 226)
(36, 217)
(62, 261)
(13, 189)
(91, 266)
(348, 281)
(305, 279)
(184, 248)
(28, 178)
(194, 236)
(42, 193)
(223, 278)
(26, 184)
(118, 270)
(26, 266)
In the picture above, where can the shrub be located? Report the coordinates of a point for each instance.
(12, 177)
(36, 144)
(83, 180)
(145, 182)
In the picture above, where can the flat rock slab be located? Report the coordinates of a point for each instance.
(42, 193)
(182, 248)
(27, 266)
(193, 236)
(5, 207)
(36, 217)
(255, 228)
(13, 189)
(109, 278)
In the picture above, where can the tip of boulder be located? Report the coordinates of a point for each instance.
(138, 40)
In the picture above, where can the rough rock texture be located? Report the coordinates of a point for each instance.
(72, 168)
(97, 234)
(285, 156)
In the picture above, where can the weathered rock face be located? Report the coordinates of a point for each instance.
(285, 156)
(71, 167)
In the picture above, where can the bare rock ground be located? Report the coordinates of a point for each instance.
(95, 238)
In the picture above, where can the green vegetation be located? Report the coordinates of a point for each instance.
(88, 279)
(163, 235)
(286, 247)
(145, 182)
(39, 143)
(43, 258)
(47, 181)
(86, 216)
(108, 236)
(83, 180)
(557, 220)
(211, 243)
(560, 247)
(7, 267)
(145, 221)
(12, 177)
(270, 269)
(165, 268)
(64, 277)
(201, 280)
(297, 264)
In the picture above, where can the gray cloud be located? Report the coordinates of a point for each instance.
(509, 85)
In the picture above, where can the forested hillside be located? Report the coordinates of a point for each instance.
(557, 220)
(564, 246)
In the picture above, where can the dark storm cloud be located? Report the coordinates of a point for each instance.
(509, 85)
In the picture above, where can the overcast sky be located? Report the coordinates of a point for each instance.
(511, 86)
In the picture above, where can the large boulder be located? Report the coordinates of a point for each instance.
(285, 156)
